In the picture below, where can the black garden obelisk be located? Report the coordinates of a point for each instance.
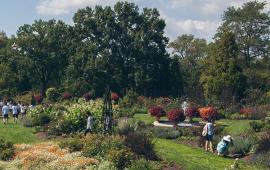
(107, 112)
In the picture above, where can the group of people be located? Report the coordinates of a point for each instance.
(222, 146)
(12, 107)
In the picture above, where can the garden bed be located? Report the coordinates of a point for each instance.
(165, 123)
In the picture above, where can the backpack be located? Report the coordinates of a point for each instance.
(204, 132)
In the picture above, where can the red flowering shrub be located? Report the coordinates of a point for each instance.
(67, 96)
(191, 112)
(207, 113)
(157, 112)
(247, 112)
(87, 96)
(38, 99)
(176, 115)
(115, 96)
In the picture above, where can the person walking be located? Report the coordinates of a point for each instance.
(5, 111)
(15, 112)
(208, 132)
(23, 110)
(223, 145)
(19, 108)
(90, 122)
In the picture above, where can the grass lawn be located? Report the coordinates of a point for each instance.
(17, 133)
(146, 118)
(235, 127)
(193, 158)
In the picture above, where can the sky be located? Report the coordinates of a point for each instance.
(198, 17)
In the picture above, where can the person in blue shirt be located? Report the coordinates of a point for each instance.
(223, 145)
(5, 111)
(209, 135)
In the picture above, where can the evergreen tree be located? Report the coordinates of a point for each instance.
(222, 78)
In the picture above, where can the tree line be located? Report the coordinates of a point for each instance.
(125, 47)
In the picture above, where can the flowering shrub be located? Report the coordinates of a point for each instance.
(191, 112)
(67, 96)
(115, 96)
(176, 115)
(38, 99)
(247, 112)
(207, 113)
(157, 112)
(73, 117)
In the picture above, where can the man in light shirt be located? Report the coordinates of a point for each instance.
(5, 111)
(15, 112)
(90, 122)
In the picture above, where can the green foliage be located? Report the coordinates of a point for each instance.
(72, 118)
(52, 94)
(141, 164)
(243, 143)
(165, 133)
(123, 52)
(6, 150)
(44, 47)
(129, 100)
(106, 165)
(108, 147)
(73, 145)
(256, 126)
(41, 115)
(189, 52)
(141, 144)
(222, 78)
(252, 41)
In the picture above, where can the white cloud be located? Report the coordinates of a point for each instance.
(210, 8)
(200, 28)
(58, 7)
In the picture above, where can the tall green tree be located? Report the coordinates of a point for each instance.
(44, 48)
(251, 26)
(127, 48)
(222, 78)
(189, 52)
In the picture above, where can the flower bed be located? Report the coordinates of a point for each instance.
(176, 115)
(207, 113)
(157, 111)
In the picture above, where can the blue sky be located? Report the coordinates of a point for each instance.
(198, 17)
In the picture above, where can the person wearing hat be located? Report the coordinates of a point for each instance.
(223, 145)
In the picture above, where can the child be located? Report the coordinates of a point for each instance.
(223, 145)
(90, 122)
(209, 132)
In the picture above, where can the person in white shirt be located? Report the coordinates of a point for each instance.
(5, 111)
(15, 112)
(23, 110)
(90, 122)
